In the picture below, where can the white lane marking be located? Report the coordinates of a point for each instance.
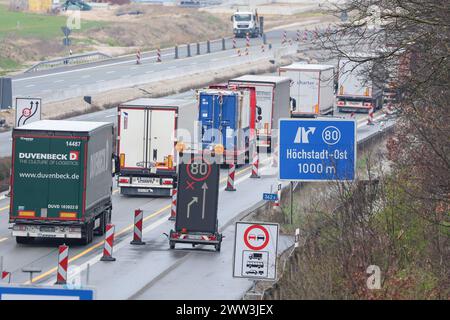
(3, 239)
(29, 86)
(151, 71)
(110, 116)
(215, 59)
(86, 76)
(57, 81)
(101, 80)
(109, 72)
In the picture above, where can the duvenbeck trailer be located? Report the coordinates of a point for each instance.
(61, 182)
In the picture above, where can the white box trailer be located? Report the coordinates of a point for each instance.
(356, 91)
(272, 96)
(312, 89)
(148, 130)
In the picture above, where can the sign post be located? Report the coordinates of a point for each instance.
(255, 250)
(28, 110)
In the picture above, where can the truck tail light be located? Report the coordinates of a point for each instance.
(212, 237)
(122, 160)
(166, 181)
(27, 214)
(124, 180)
(340, 103)
(183, 230)
(68, 215)
(175, 235)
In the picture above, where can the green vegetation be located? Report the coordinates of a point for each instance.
(36, 25)
(7, 63)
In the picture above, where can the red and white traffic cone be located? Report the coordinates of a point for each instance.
(234, 43)
(239, 52)
(6, 274)
(158, 55)
(284, 40)
(255, 164)
(246, 51)
(137, 233)
(263, 48)
(290, 42)
(298, 36)
(173, 206)
(305, 35)
(247, 43)
(63, 262)
(138, 57)
(109, 244)
(370, 118)
(230, 181)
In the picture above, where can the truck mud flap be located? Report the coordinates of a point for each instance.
(146, 192)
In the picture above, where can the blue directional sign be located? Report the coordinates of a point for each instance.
(17, 292)
(270, 196)
(317, 149)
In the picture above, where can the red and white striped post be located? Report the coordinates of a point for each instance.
(234, 43)
(290, 42)
(247, 43)
(255, 163)
(370, 118)
(158, 55)
(173, 206)
(137, 233)
(298, 36)
(263, 48)
(63, 262)
(284, 40)
(305, 35)
(138, 57)
(6, 274)
(239, 52)
(109, 244)
(230, 181)
(276, 203)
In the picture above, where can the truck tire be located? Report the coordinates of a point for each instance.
(24, 240)
(172, 245)
(89, 233)
(217, 247)
(103, 222)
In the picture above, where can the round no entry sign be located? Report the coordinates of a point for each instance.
(256, 237)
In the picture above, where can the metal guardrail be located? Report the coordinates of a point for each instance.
(71, 60)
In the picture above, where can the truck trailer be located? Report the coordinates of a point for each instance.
(61, 182)
(312, 89)
(272, 96)
(356, 92)
(224, 116)
(148, 130)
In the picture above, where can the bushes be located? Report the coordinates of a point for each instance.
(5, 166)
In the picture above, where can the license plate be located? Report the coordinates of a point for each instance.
(353, 103)
(47, 229)
(145, 190)
(195, 237)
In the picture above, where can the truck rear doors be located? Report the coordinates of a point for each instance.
(146, 137)
(48, 177)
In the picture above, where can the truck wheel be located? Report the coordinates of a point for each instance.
(217, 247)
(24, 240)
(103, 222)
(89, 234)
(172, 245)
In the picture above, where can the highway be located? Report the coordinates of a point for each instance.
(152, 270)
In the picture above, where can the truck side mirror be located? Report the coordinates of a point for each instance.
(258, 110)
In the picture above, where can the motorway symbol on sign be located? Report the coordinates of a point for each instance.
(270, 196)
(197, 196)
(18, 292)
(28, 110)
(317, 149)
(255, 250)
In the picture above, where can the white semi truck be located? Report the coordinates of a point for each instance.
(357, 92)
(148, 131)
(312, 89)
(247, 22)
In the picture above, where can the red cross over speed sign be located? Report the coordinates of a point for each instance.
(256, 237)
